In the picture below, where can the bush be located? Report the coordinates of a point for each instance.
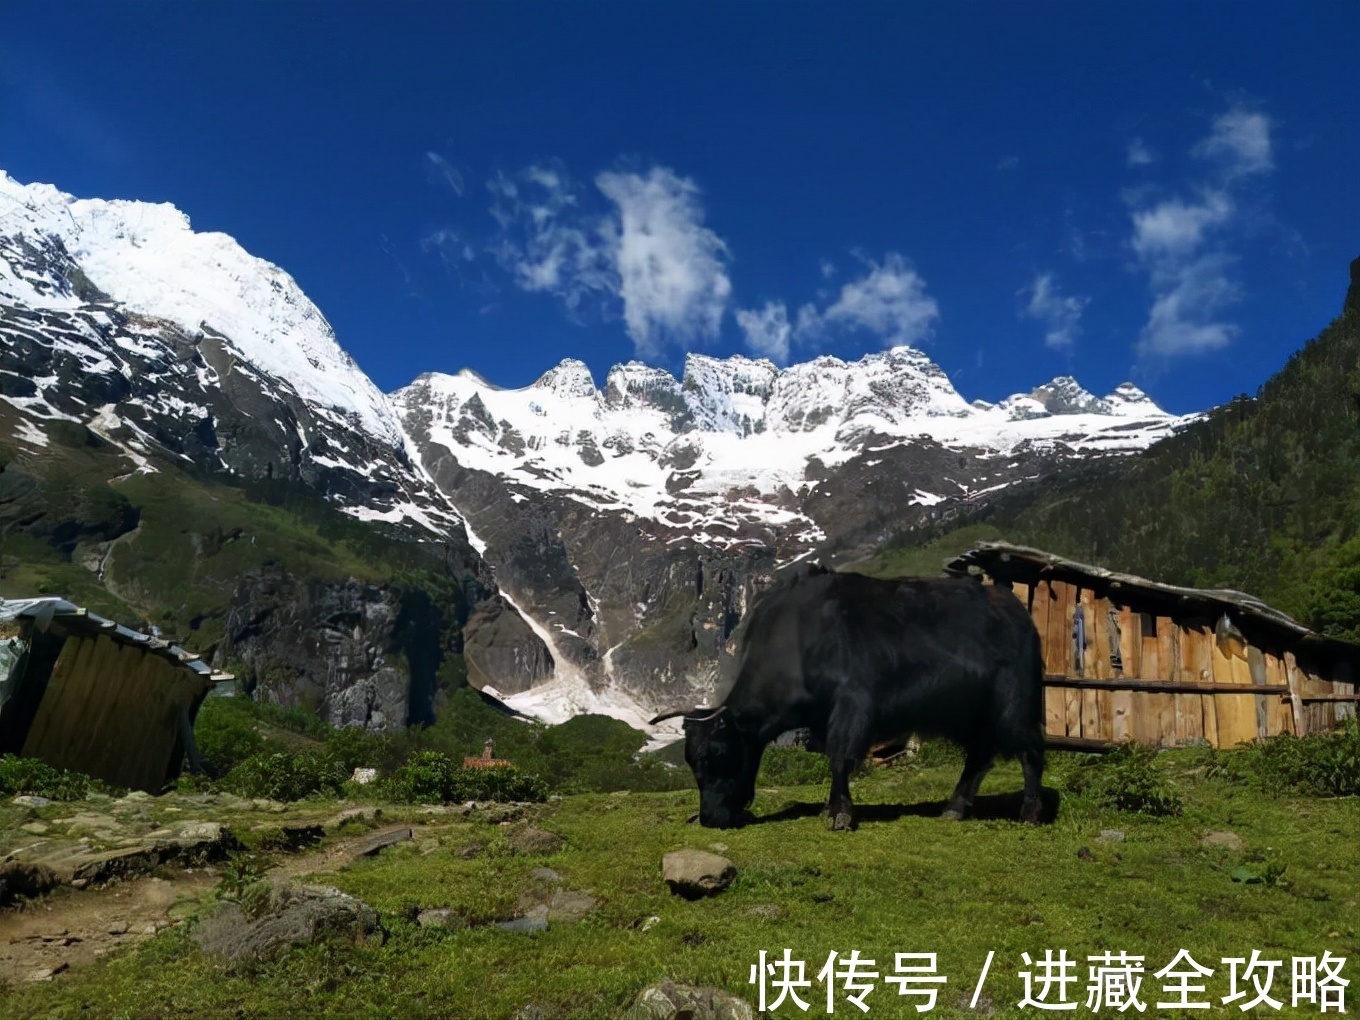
(1320, 764)
(225, 735)
(283, 776)
(354, 748)
(37, 778)
(434, 777)
(1125, 779)
(793, 766)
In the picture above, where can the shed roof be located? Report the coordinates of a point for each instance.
(1002, 560)
(43, 611)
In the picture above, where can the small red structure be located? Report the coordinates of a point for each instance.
(486, 759)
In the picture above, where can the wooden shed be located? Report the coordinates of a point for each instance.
(81, 692)
(1126, 657)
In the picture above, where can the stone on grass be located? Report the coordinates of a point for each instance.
(696, 873)
(355, 814)
(1222, 840)
(545, 875)
(440, 917)
(535, 920)
(281, 917)
(531, 842)
(686, 1002)
(1110, 836)
(31, 800)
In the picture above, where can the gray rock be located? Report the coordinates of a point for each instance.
(768, 911)
(1222, 840)
(31, 800)
(1110, 836)
(532, 842)
(568, 906)
(696, 873)
(535, 920)
(686, 1002)
(282, 917)
(440, 917)
(355, 814)
(545, 875)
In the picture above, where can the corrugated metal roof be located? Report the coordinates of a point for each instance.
(43, 610)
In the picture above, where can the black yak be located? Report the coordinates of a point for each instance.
(858, 661)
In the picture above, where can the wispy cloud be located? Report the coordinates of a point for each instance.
(1240, 142)
(889, 301)
(633, 247)
(1183, 245)
(670, 267)
(768, 331)
(1139, 153)
(446, 172)
(1060, 314)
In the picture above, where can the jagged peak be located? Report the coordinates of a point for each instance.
(569, 378)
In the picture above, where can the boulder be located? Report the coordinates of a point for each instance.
(686, 1002)
(277, 918)
(535, 920)
(531, 842)
(696, 873)
(1222, 840)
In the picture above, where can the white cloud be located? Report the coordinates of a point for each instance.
(768, 331)
(670, 267)
(446, 171)
(1187, 298)
(1183, 246)
(1060, 314)
(1139, 153)
(890, 300)
(545, 244)
(1240, 140)
(1173, 228)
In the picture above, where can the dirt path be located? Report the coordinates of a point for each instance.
(72, 929)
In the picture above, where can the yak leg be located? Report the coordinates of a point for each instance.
(975, 767)
(1032, 763)
(847, 740)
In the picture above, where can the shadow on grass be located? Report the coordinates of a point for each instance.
(992, 807)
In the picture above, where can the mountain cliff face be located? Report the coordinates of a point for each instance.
(617, 533)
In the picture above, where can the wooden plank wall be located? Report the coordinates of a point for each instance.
(111, 710)
(1166, 649)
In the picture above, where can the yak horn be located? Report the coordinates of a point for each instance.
(689, 713)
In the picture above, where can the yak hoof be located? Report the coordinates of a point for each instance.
(954, 814)
(1030, 812)
(843, 822)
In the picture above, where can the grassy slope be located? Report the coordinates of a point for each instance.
(196, 537)
(906, 883)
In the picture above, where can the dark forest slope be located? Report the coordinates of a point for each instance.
(1263, 495)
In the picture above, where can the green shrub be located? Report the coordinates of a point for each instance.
(37, 778)
(353, 747)
(434, 777)
(226, 736)
(1320, 764)
(793, 766)
(284, 776)
(1125, 779)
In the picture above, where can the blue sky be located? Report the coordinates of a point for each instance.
(1162, 193)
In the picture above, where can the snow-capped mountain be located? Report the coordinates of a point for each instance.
(166, 341)
(731, 445)
(628, 525)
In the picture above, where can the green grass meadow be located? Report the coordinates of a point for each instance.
(904, 882)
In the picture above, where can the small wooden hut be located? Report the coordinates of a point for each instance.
(81, 692)
(1126, 657)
